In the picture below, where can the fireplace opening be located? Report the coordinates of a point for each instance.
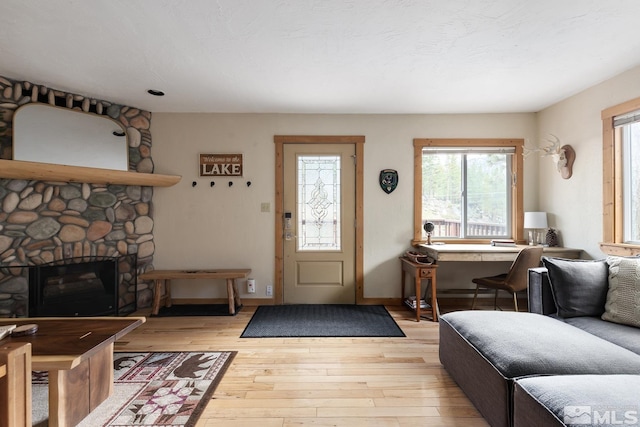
(75, 287)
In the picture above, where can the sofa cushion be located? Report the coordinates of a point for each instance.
(519, 344)
(623, 296)
(622, 335)
(483, 351)
(584, 400)
(579, 287)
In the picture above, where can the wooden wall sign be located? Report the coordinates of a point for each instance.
(220, 164)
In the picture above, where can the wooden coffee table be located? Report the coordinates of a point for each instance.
(78, 354)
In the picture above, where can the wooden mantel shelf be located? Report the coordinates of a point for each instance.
(18, 169)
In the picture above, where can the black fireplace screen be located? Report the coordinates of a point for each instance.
(76, 287)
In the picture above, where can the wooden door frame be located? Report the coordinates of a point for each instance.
(280, 141)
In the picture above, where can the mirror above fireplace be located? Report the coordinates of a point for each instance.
(48, 134)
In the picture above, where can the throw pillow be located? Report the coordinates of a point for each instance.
(623, 297)
(579, 287)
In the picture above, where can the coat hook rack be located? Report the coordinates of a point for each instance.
(212, 183)
(248, 183)
(230, 183)
(193, 184)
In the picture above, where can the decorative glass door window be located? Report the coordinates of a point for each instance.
(318, 204)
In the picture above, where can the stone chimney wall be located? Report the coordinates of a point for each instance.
(41, 222)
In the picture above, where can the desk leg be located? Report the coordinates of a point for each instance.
(402, 286)
(418, 282)
(435, 310)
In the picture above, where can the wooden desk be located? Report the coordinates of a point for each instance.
(468, 252)
(419, 272)
(163, 278)
(78, 354)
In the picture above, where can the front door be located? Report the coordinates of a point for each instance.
(319, 224)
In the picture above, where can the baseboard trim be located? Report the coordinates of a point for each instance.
(445, 300)
(249, 302)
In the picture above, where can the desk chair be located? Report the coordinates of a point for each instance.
(514, 280)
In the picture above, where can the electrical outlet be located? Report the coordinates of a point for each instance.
(269, 290)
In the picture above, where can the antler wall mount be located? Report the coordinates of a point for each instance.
(563, 156)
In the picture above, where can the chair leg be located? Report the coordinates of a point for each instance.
(515, 301)
(475, 296)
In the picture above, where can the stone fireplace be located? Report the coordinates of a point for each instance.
(48, 222)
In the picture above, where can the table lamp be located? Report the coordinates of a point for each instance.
(535, 221)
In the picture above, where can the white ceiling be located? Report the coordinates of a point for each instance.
(321, 56)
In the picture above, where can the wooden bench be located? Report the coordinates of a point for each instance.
(15, 384)
(162, 279)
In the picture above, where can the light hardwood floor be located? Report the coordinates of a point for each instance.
(317, 381)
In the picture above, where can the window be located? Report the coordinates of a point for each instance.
(469, 189)
(630, 138)
(318, 206)
(621, 179)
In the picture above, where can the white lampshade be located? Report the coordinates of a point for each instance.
(535, 220)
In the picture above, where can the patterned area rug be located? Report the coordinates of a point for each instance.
(151, 389)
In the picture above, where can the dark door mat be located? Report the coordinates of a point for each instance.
(195, 310)
(321, 320)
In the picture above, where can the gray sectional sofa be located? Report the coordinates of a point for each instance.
(573, 360)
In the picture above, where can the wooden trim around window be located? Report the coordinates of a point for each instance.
(612, 179)
(517, 165)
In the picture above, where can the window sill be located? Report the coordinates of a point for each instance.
(620, 249)
(462, 241)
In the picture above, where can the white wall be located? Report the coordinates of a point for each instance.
(204, 227)
(575, 205)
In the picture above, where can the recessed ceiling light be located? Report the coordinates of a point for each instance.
(155, 92)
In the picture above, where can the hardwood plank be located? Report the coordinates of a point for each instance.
(423, 401)
(243, 422)
(312, 394)
(317, 381)
(407, 411)
(442, 422)
(261, 413)
(294, 403)
(347, 422)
